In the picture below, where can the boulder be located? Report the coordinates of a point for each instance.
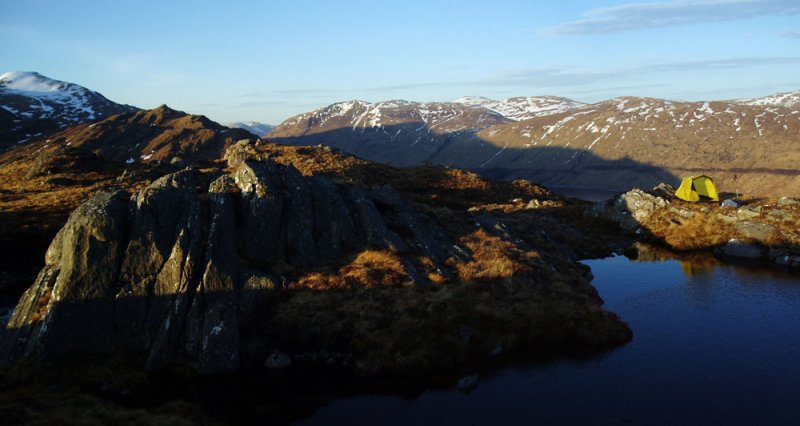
(788, 201)
(746, 213)
(784, 257)
(736, 248)
(727, 218)
(63, 311)
(664, 190)
(781, 215)
(630, 209)
(755, 230)
(239, 152)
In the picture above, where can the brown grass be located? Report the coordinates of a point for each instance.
(427, 184)
(41, 306)
(699, 231)
(493, 258)
(705, 229)
(412, 333)
(370, 268)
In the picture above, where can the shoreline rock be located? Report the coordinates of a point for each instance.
(766, 231)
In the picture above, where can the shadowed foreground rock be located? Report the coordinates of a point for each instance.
(181, 271)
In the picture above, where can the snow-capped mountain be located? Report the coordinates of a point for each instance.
(612, 144)
(254, 127)
(523, 107)
(436, 117)
(787, 100)
(32, 106)
(398, 132)
(642, 141)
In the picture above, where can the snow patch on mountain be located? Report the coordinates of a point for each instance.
(38, 87)
(523, 107)
(786, 100)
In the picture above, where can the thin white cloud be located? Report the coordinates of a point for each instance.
(642, 16)
(545, 79)
(791, 34)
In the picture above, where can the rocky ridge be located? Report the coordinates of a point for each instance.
(192, 269)
(157, 136)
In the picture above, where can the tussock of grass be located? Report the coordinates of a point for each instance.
(696, 232)
(41, 306)
(493, 258)
(370, 268)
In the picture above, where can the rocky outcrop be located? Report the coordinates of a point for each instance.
(177, 269)
(631, 209)
(758, 230)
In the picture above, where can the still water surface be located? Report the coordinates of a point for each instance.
(713, 344)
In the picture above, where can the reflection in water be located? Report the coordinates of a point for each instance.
(713, 344)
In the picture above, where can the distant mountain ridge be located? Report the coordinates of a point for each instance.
(32, 105)
(159, 136)
(254, 127)
(611, 145)
(397, 132)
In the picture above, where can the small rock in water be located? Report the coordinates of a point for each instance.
(277, 360)
(497, 350)
(737, 248)
(468, 384)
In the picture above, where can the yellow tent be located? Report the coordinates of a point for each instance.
(693, 187)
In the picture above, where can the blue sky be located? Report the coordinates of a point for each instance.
(266, 61)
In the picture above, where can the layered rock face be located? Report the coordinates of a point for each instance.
(176, 269)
